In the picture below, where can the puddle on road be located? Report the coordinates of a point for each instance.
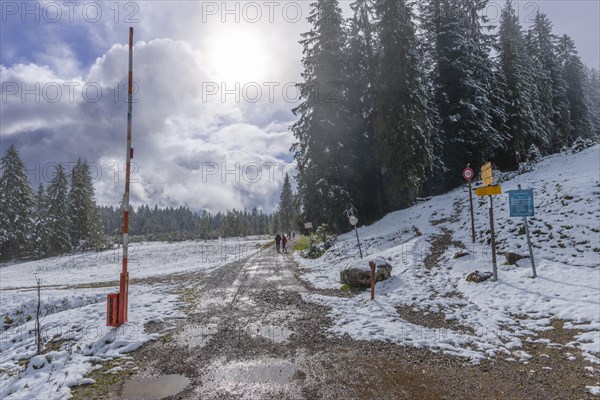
(244, 373)
(154, 388)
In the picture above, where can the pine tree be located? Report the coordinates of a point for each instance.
(361, 77)
(323, 143)
(550, 83)
(41, 234)
(57, 219)
(574, 77)
(285, 211)
(402, 123)
(522, 100)
(86, 225)
(16, 206)
(592, 90)
(465, 82)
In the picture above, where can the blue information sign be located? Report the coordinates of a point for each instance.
(521, 203)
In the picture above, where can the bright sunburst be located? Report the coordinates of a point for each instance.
(238, 56)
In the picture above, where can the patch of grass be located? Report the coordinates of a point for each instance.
(302, 243)
(345, 286)
(267, 245)
(104, 382)
(55, 344)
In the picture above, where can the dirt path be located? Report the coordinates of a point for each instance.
(249, 335)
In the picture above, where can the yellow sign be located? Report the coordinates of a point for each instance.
(486, 174)
(488, 190)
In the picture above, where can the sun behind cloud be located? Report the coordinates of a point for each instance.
(238, 55)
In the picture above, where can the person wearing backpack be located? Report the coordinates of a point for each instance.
(278, 242)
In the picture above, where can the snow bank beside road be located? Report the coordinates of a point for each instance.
(146, 259)
(73, 318)
(424, 243)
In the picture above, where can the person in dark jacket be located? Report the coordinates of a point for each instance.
(283, 242)
(278, 242)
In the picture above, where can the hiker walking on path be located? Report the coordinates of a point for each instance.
(277, 242)
(283, 242)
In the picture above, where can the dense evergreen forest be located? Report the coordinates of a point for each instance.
(397, 99)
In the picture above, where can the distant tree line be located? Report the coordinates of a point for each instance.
(63, 217)
(397, 99)
(182, 224)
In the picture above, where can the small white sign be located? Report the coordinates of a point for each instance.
(353, 220)
(308, 225)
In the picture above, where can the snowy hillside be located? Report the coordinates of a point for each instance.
(429, 246)
(73, 312)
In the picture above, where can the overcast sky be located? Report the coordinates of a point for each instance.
(214, 90)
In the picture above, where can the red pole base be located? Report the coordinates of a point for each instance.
(372, 265)
(123, 297)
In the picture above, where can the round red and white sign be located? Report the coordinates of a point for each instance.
(468, 174)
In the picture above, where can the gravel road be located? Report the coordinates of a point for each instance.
(249, 335)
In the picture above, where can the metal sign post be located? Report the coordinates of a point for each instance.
(494, 264)
(308, 225)
(490, 190)
(468, 175)
(521, 205)
(354, 221)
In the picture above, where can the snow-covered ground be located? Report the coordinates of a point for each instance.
(495, 317)
(73, 298)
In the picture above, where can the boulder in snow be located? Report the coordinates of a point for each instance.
(479, 276)
(358, 273)
(512, 258)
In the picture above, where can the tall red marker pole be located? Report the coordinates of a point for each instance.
(116, 309)
(124, 282)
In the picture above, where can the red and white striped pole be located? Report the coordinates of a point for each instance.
(116, 304)
(124, 282)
